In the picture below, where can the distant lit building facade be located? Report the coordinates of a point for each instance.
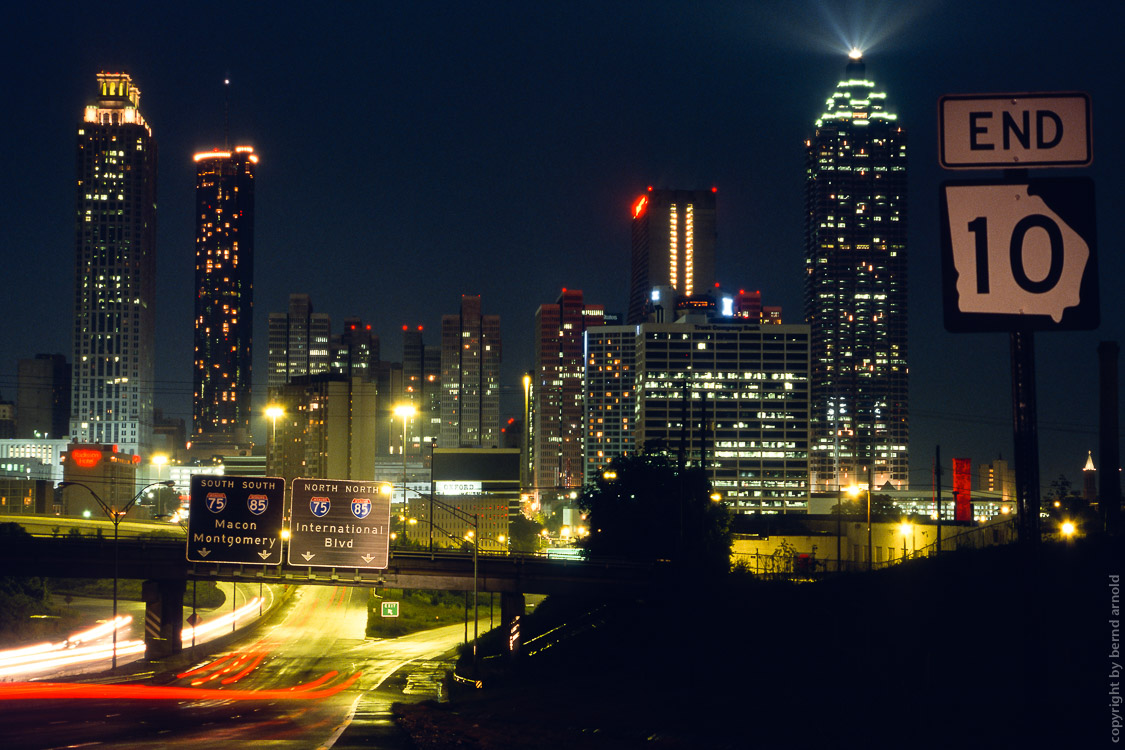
(355, 352)
(558, 429)
(732, 397)
(299, 342)
(421, 387)
(610, 390)
(115, 273)
(673, 238)
(470, 378)
(327, 430)
(855, 288)
(224, 297)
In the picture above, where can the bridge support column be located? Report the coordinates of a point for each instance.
(511, 614)
(164, 615)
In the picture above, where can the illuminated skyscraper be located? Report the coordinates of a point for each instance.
(610, 405)
(558, 391)
(470, 378)
(673, 245)
(855, 288)
(224, 297)
(115, 271)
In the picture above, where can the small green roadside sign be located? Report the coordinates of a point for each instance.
(390, 609)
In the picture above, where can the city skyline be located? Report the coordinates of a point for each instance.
(535, 183)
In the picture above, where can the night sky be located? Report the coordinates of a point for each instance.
(412, 152)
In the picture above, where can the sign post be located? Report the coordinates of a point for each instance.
(235, 519)
(340, 523)
(1018, 255)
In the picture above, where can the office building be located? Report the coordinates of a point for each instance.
(299, 342)
(610, 405)
(43, 397)
(421, 387)
(327, 430)
(115, 270)
(470, 378)
(224, 299)
(674, 237)
(557, 433)
(355, 352)
(855, 288)
(733, 397)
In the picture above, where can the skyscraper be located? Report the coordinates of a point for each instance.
(558, 391)
(299, 342)
(224, 297)
(115, 270)
(673, 245)
(611, 405)
(470, 378)
(421, 386)
(732, 396)
(855, 288)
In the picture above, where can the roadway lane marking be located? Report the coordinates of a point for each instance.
(351, 712)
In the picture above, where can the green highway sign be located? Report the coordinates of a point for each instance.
(390, 609)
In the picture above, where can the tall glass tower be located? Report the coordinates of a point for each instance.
(855, 288)
(470, 378)
(115, 270)
(673, 245)
(224, 297)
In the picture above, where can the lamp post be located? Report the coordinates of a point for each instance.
(116, 516)
(404, 412)
(869, 526)
(473, 537)
(273, 411)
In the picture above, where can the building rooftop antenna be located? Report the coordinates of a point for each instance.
(226, 114)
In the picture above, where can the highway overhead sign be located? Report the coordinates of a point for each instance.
(235, 519)
(340, 523)
(1014, 131)
(1019, 256)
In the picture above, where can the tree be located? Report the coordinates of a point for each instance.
(1063, 501)
(524, 534)
(649, 510)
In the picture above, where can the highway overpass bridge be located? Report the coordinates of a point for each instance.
(162, 564)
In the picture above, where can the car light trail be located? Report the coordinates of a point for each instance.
(70, 657)
(83, 691)
(224, 621)
(44, 656)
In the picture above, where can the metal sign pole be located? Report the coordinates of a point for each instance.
(1026, 433)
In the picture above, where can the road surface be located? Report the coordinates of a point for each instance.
(307, 680)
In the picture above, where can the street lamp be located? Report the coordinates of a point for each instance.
(906, 529)
(404, 412)
(273, 411)
(116, 516)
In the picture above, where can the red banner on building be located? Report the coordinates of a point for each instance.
(962, 489)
